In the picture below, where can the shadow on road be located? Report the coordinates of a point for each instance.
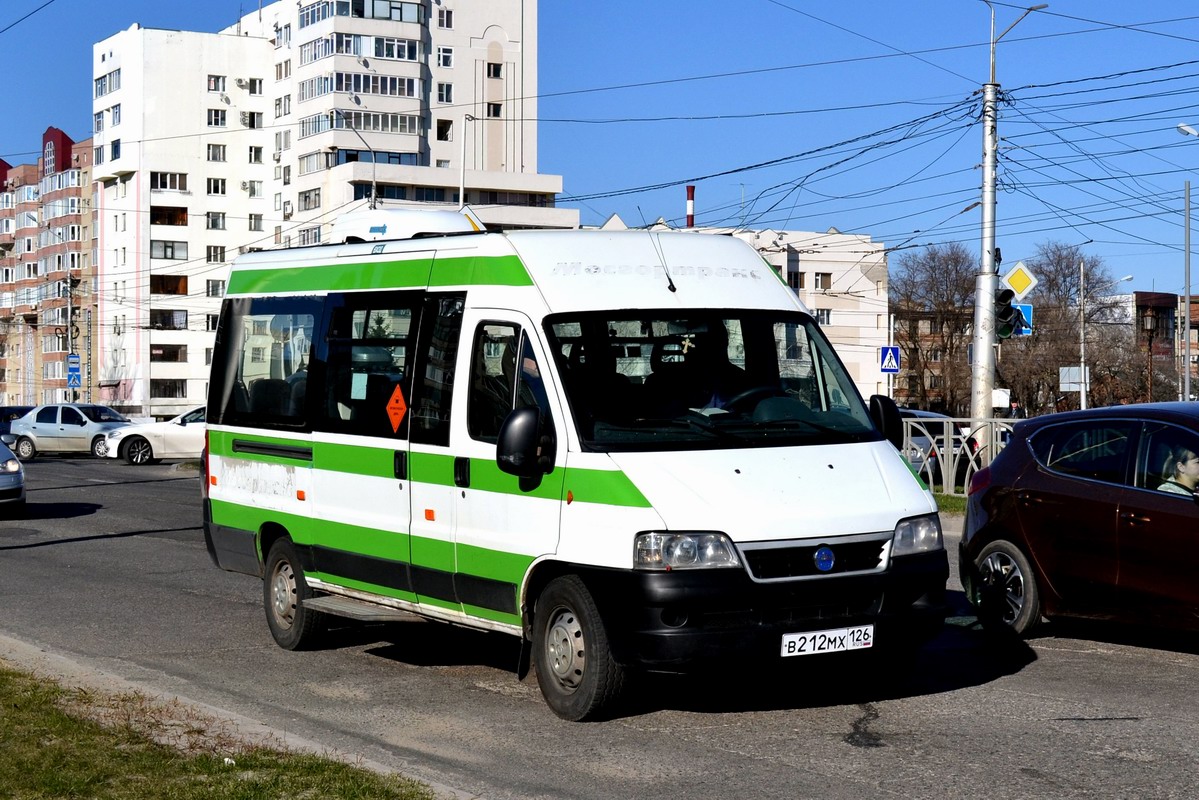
(58, 510)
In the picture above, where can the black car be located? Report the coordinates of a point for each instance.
(7, 415)
(1091, 514)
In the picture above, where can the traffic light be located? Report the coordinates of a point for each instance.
(1007, 316)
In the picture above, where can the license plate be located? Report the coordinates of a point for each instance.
(835, 640)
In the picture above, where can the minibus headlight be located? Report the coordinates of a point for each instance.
(10, 465)
(661, 550)
(917, 535)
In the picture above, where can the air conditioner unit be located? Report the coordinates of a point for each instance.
(245, 184)
(241, 83)
(277, 155)
(224, 97)
(286, 209)
(245, 118)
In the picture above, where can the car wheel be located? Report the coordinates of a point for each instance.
(1008, 597)
(577, 674)
(26, 450)
(138, 452)
(284, 591)
(99, 447)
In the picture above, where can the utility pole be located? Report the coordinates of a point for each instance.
(982, 375)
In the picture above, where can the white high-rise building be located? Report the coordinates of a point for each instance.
(259, 136)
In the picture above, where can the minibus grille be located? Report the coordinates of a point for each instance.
(798, 560)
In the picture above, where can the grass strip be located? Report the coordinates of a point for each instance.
(60, 742)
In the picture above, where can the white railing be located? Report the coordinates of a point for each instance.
(972, 446)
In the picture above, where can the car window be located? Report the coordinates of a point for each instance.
(193, 416)
(1168, 460)
(71, 417)
(48, 415)
(1095, 449)
(102, 414)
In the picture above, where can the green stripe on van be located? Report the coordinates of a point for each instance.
(605, 487)
(409, 274)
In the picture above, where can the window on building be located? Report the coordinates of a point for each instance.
(254, 188)
(216, 186)
(934, 355)
(443, 163)
(98, 122)
(168, 284)
(495, 70)
(168, 215)
(216, 288)
(824, 316)
(168, 388)
(255, 85)
(168, 181)
(282, 106)
(116, 114)
(168, 319)
(160, 248)
(210, 321)
(170, 353)
(115, 149)
(310, 199)
(445, 130)
(216, 83)
(495, 110)
(824, 280)
(445, 92)
(216, 152)
(215, 220)
(445, 18)
(255, 154)
(216, 117)
(255, 222)
(795, 280)
(445, 56)
(215, 255)
(251, 119)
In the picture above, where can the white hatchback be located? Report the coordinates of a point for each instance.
(147, 442)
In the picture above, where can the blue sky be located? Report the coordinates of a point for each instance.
(800, 114)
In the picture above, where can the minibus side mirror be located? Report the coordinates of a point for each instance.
(523, 450)
(886, 418)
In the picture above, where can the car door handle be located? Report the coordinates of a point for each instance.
(462, 472)
(1135, 519)
(400, 464)
(1028, 499)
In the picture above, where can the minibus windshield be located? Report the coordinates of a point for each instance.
(704, 378)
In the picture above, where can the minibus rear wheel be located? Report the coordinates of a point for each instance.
(577, 674)
(284, 591)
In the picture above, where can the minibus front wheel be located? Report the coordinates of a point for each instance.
(578, 676)
(284, 591)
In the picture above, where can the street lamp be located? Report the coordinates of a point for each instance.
(1082, 329)
(1149, 324)
(1187, 130)
(462, 167)
(982, 374)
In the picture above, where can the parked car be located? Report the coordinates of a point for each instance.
(65, 428)
(148, 442)
(1088, 513)
(7, 415)
(12, 481)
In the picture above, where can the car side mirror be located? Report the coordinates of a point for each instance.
(886, 418)
(523, 448)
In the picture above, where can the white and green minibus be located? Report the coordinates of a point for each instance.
(634, 450)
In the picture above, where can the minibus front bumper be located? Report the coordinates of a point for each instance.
(674, 619)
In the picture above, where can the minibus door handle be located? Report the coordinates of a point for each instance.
(462, 472)
(400, 463)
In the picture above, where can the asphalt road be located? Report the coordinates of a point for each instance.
(108, 573)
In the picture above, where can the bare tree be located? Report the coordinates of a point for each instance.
(932, 294)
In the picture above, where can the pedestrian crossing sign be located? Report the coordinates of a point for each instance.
(889, 359)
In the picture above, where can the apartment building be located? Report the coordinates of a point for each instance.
(207, 145)
(46, 324)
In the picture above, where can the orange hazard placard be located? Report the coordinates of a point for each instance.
(396, 409)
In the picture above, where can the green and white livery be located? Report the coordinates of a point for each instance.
(634, 450)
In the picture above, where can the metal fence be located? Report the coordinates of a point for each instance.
(946, 453)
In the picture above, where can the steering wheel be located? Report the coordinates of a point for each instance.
(751, 397)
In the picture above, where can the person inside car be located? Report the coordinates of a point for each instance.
(1181, 471)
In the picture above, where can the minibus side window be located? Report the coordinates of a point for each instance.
(260, 367)
(368, 374)
(493, 379)
(437, 352)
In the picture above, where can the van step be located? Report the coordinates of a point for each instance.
(355, 609)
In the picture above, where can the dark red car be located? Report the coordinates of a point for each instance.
(1091, 514)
